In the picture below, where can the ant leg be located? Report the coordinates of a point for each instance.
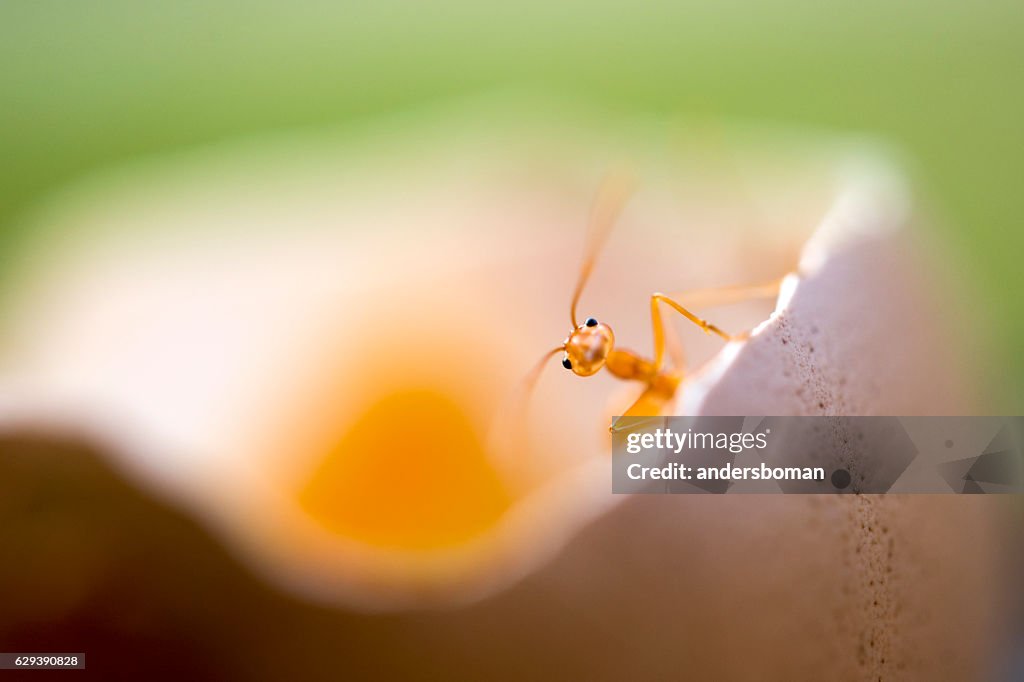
(705, 297)
(701, 298)
(651, 404)
(659, 326)
(675, 348)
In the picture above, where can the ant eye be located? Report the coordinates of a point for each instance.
(566, 363)
(591, 322)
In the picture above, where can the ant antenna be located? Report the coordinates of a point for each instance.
(611, 199)
(508, 435)
(531, 379)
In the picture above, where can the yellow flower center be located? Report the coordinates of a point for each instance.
(410, 474)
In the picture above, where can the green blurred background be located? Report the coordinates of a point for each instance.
(84, 85)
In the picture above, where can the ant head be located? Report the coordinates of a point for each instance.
(587, 347)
